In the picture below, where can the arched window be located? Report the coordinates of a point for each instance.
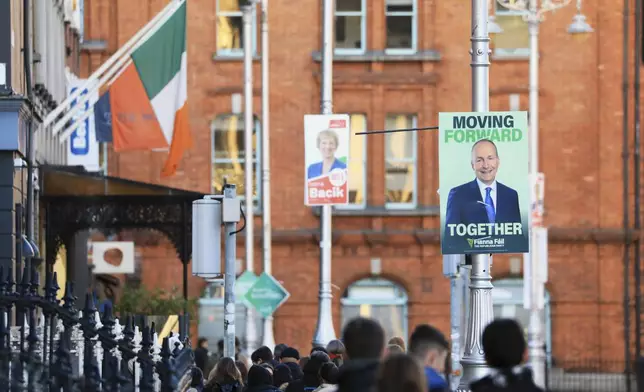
(379, 299)
(508, 303)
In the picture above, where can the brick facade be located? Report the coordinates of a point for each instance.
(580, 139)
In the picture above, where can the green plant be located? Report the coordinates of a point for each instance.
(157, 302)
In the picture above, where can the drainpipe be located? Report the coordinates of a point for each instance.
(625, 190)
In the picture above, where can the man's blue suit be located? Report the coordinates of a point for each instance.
(465, 205)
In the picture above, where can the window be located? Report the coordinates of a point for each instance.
(357, 163)
(228, 154)
(230, 28)
(401, 25)
(514, 40)
(350, 26)
(400, 162)
(379, 299)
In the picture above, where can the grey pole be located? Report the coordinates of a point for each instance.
(536, 343)
(230, 243)
(251, 333)
(325, 331)
(268, 337)
(481, 311)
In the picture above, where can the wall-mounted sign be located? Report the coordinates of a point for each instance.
(113, 257)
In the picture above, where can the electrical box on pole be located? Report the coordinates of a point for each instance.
(206, 237)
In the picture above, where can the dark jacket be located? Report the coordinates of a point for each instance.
(358, 376)
(296, 370)
(227, 387)
(201, 359)
(506, 380)
(435, 381)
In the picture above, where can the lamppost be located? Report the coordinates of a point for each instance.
(533, 13)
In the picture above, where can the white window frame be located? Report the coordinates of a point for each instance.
(413, 159)
(363, 140)
(363, 29)
(258, 158)
(236, 52)
(414, 29)
(509, 52)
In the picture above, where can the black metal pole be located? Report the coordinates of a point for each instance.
(27, 56)
(626, 207)
(636, 164)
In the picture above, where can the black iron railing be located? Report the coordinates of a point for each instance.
(49, 345)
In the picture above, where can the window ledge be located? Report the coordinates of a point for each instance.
(381, 56)
(233, 57)
(510, 57)
(381, 211)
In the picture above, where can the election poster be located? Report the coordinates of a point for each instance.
(326, 155)
(484, 182)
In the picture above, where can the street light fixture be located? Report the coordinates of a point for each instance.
(534, 271)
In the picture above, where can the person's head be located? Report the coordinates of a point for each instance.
(329, 373)
(504, 344)
(336, 351)
(429, 346)
(224, 371)
(394, 349)
(277, 352)
(220, 345)
(327, 142)
(401, 372)
(197, 377)
(398, 341)
(243, 370)
(282, 375)
(290, 355)
(318, 348)
(363, 339)
(261, 355)
(202, 343)
(312, 368)
(485, 160)
(258, 375)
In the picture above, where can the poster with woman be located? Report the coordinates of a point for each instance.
(326, 153)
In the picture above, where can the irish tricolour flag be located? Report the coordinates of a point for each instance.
(147, 101)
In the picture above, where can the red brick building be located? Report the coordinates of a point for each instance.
(391, 70)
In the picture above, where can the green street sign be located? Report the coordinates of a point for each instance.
(243, 283)
(266, 295)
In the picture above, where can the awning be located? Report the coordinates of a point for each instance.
(76, 181)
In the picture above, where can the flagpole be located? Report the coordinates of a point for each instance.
(69, 130)
(247, 14)
(82, 100)
(123, 50)
(268, 335)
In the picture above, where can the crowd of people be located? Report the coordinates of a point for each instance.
(362, 361)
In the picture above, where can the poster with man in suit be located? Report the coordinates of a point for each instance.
(484, 186)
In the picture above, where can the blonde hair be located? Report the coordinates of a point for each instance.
(397, 340)
(327, 134)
